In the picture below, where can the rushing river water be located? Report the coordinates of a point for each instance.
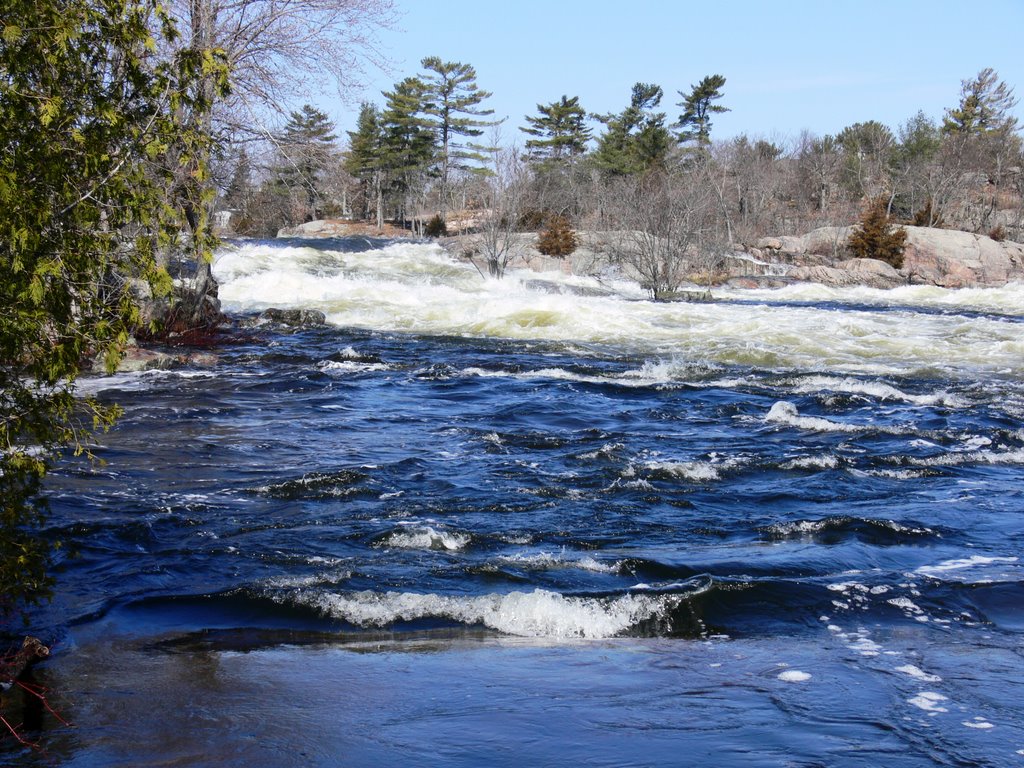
(543, 521)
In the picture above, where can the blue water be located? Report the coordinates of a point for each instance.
(530, 543)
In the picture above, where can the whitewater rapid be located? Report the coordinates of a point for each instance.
(417, 288)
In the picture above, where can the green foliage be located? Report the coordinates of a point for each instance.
(560, 131)
(90, 118)
(451, 103)
(986, 106)
(557, 238)
(875, 237)
(635, 140)
(307, 150)
(698, 106)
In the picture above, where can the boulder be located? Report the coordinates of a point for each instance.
(873, 273)
(954, 259)
(294, 318)
(137, 359)
(318, 228)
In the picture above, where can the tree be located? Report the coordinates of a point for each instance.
(497, 240)
(408, 142)
(875, 237)
(89, 118)
(986, 105)
(664, 228)
(452, 101)
(365, 159)
(560, 131)
(635, 140)
(867, 151)
(307, 148)
(698, 106)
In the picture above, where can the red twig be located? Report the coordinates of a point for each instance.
(40, 693)
(14, 732)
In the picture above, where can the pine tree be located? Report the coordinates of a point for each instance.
(408, 141)
(451, 102)
(635, 140)
(875, 237)
(365, 159)
(307, 148)
(560, 131)
(986, 106)
(698, 106)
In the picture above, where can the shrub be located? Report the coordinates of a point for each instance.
(998, 233)
(874, 237)
(557, 238)
(436, 227)
(926, 217)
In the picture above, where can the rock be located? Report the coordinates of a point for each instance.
(818, 273)
(294, 318)
(954, 259)
(200, 359)
(137, 359)
(689, 297)
(769, 244)
(825, 241)
(750, 282)
(318, 228)
(873, 273)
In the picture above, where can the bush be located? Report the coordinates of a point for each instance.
(925, 217)
(998, 233)
(557, 238)
(875, 237)
(436, 227)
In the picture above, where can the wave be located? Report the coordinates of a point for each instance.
(417, 288)
(787, 414)
(540, 613)
(426, 537)
(316, 485)
(876, 389)
(840, 528)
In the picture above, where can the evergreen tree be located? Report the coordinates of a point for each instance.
(365, 159)
(307, 149)
(559, 132)
(408, 141)
(636, 139)
(875, 237)
(452, 103)
(986, 105)
(698, 106)
(90, 119)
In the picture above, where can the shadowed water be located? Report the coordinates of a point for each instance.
(543, 520)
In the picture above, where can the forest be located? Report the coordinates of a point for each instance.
(432, 158)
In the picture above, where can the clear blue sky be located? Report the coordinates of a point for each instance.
(789, 65)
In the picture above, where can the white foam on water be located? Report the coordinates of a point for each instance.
(875, 389)
(426, 537)
(552, 561)
(694, 471)
(997, 458)
(794, 676)
(960, 564)
(929, 701)
(822, 461)
(918, 674)
(786, 413)
(540, 613)
(979, 723)
(418, 288)
(351, 366)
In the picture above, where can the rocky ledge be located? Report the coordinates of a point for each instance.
(943, 257)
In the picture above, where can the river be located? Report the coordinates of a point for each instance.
(544, 521)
